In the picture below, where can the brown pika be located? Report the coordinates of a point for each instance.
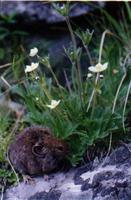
(36, 151)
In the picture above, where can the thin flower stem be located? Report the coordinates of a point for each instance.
(16, 175)
(100, 55)
(117, 92)
(93, 93)
(73, 72)
(90, 100)
(99, 61)
(88, 54)
(5, 65)
(86, 86)
(51, 70)
(67, 82)
(5, 81)
(71, 32)
(121, 82)
(54, 76)
(101, 44)
(114, 104)
(109, 149)
(124, 109)
(113, 109)
(12, 133)
(73, 75)
(45, 90)
(77, 59)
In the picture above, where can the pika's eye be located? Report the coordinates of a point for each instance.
(39, 151)
(60, 148)
(46, 132)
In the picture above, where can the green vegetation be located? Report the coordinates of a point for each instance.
(6, 175)
(84, 112)
(91, 107)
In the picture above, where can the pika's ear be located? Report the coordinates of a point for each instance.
(59, 149)
(47, 131)
(43, 132)
(62, 149)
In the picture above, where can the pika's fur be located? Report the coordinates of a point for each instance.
(36, 151)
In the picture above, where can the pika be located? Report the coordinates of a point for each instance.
(36, 151)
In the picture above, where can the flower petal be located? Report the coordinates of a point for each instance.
(104, 66)
(33, 52)
(89, 75)
(98, 67)
(101, 75)
(53, 104)
(49, 106)
(32, 67)
(27, 69)
(92, 69)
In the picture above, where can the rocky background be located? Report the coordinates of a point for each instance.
(30, 12)
(47, 29)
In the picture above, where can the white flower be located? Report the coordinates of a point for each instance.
(37, 99)
(37, 78)
(53, 104)
(89, 75)
(62, 7)
(98, 68)
(101, 76)
(33, 52)
(30, 68)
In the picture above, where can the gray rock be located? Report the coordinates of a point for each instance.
(54, 194)
(110, 179)
(41, 11)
